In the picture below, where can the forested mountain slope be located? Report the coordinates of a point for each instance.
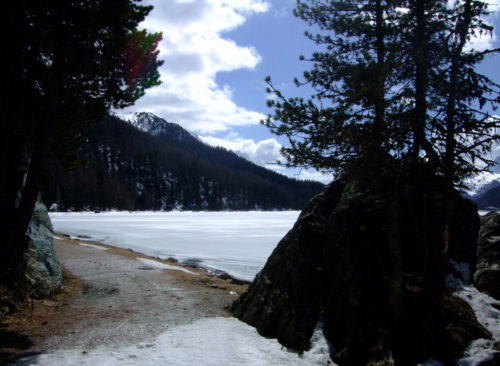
(151, 164)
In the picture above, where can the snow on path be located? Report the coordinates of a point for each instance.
(156, 264)
(93, 246)
(489, 317)
(209, 342)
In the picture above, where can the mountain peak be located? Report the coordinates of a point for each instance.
(157, 126)
(148, 122)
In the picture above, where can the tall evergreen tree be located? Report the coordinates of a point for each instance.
(463, 131)
(64, 65)
(394, 86)
(348, 121)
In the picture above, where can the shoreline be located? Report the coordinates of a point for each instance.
(237, 242)
(113, 296)
(171, 261)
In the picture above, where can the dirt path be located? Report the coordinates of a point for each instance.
(114, 296)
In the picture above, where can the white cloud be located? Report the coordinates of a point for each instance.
(194, 51)
(264, 152)
(483, 41)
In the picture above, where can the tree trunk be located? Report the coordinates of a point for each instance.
(461, 30)
(20, 202)
(421, 85)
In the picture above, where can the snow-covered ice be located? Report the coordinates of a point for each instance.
(236, 242)
(209, 342)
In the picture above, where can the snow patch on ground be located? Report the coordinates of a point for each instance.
(156, 264)
(209, 342)
(93, 246)
(481, 349)
(80, 237)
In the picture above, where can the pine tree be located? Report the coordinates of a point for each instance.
(464, 132)
(347, 122)
(68, 63)
(394, 86)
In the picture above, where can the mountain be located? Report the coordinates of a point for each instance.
(147, 163)
(485, 188)
(490, 199)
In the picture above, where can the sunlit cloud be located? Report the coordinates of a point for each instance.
(264, 152)
(194, 50)
(485, 40)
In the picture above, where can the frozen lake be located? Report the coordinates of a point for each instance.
(236, 242)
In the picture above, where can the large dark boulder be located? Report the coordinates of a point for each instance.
(372, 266)
(284, 299)
(487, 274)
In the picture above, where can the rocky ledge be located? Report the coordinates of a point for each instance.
(487, 274)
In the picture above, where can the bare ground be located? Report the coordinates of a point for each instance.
(111, 297)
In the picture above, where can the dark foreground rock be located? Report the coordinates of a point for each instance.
(283, 300)
(43, 274)
(487, 274)
(372, 266)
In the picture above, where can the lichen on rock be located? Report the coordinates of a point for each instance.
(43, 273)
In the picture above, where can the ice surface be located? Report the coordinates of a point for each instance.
(155, 264)
(208, 342)
(236, 242)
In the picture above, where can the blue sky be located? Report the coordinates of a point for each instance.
(217, 54)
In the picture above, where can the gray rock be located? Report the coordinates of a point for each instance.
(43, 273)
(487, 274)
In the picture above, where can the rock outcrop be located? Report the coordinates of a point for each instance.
(372, 266)
(283, 300)
(487, 274)
(43, 272)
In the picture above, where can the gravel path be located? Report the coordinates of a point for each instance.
(118, 297)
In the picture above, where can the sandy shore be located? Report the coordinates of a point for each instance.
(113, 296)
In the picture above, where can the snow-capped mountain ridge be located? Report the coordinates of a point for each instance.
(156, 126)
(484, 188)
(483, 182)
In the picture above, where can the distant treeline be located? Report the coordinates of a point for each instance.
(130, 169)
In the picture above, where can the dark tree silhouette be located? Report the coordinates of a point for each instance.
(132, 170)
(63, 65)
(395, 87)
